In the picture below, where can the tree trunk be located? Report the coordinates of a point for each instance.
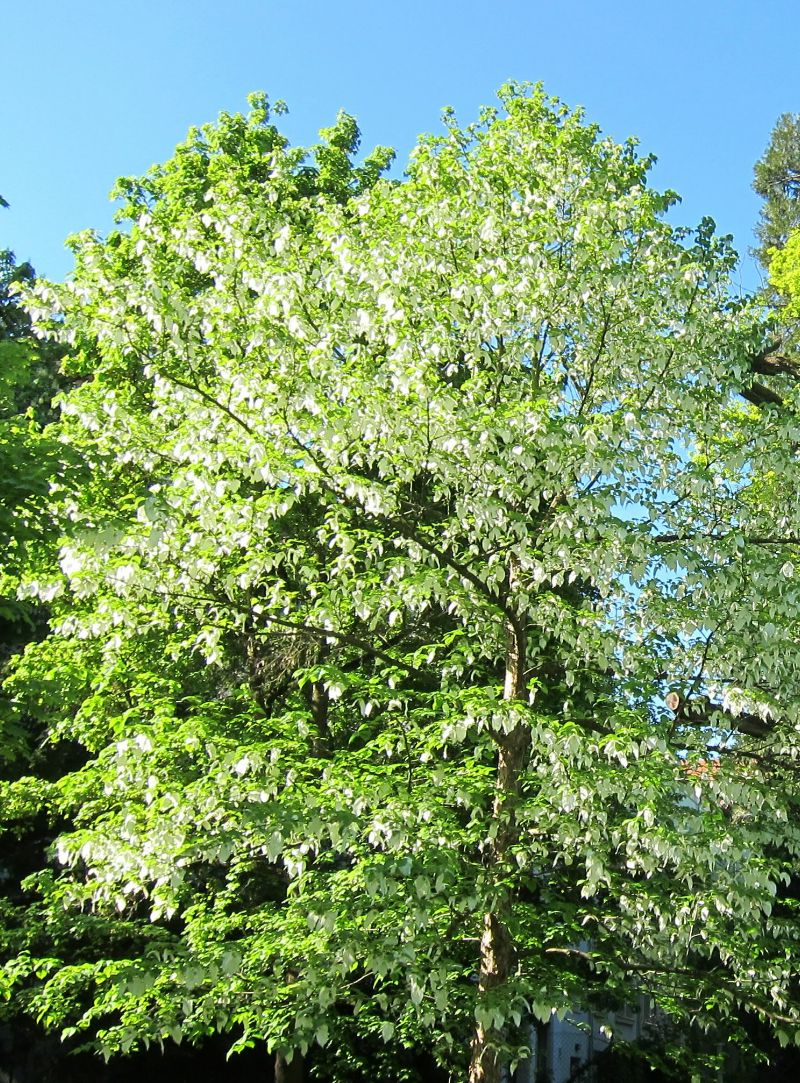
(288, 1071)
(497, 951)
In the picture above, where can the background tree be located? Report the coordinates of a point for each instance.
(777, 181)
(406, 505)
(29, 463)
(24, 379)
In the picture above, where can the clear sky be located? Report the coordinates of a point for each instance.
(94, 89)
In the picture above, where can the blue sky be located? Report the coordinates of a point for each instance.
(95, 89)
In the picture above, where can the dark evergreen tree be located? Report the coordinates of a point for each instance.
(777, 181)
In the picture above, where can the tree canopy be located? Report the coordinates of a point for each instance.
(424, 621)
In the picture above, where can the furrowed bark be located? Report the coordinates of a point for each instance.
(497, 950)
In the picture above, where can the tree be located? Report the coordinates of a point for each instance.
(24, 464)
(785, 276)
(777, 181)
(409, 502)
(30, 463)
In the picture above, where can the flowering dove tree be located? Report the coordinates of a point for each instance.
(406, 505)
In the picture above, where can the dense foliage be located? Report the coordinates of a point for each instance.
(29, 462)
(28, 381)
(424, 623)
